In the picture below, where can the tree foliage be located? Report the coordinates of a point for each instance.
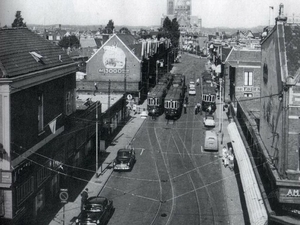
(18, 21)
(109, 29)
(124, 30)
(69, 41)
(170, 30)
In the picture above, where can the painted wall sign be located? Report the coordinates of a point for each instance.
(113, 57)
(113, 60)
(112, 70)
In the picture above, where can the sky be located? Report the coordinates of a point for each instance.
(214, 13)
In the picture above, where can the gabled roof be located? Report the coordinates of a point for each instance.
(292, 46)
(22, 52)
(244, 57)
(128, 41)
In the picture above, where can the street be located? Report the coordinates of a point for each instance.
(174, 181)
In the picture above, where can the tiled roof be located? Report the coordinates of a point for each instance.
(292, 45)
(136, 49)
(88, 42)
(15, 59)
(244, 55)
(127, 39)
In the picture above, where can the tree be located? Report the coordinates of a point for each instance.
(124, 30)
(170, 30)
(69, 41)
(109, 29)
(18, 22)
(167, 25)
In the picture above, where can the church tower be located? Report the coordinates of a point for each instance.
(170, 7)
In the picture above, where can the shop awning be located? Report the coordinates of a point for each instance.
(255, 204)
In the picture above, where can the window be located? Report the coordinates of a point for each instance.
(151, 101)
(69, 101)
(40, 112)
(248, 79)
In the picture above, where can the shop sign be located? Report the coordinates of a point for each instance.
(293, 193)
(5, 177)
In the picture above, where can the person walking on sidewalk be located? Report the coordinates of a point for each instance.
(231, 161)
(84, 197)
(225, 156)
(184, 108)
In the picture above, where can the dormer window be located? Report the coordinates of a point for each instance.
(37, 57)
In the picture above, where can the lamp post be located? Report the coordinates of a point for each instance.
(125, 82)
(221, 114)
(156, 78)
(97, 138)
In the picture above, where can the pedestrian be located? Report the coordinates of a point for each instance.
(196, 109)
(84, 197)
(231, 161)
(199, 107)
(186, 100)
(184, 108)
(224, 156)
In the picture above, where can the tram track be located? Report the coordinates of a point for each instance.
(160, 178)
(190, 129)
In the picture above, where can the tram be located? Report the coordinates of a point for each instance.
(155, 98)
(174, 98)
(208, 94)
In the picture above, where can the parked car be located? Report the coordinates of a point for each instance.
(192, 91)
(211, 142)
(125, 159)
(209, 121)
(96, 210)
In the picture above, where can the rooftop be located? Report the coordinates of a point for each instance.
(22, 52)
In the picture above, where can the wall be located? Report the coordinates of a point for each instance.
(240, 88)
(271, 129)
(108, 63)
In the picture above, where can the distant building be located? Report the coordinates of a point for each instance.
(182, 11)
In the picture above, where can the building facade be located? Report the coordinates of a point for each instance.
(244, 69)
(37, 93)
(279, 126)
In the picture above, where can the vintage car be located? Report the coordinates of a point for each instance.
(211, 142)
(124, 160)
(192, 91)
(97, 210)
(209, 121)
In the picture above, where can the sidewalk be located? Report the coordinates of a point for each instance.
(67, 214)
(231, 190)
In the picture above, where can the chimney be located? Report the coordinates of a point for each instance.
(281, 16)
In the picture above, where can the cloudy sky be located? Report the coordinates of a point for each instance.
(214, 13)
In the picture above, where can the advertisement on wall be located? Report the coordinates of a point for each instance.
(114, 60)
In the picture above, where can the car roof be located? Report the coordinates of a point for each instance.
(96, 200)
(124, 150)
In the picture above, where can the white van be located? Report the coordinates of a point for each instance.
(211, 142)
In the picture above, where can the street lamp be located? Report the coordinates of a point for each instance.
(156, 78)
